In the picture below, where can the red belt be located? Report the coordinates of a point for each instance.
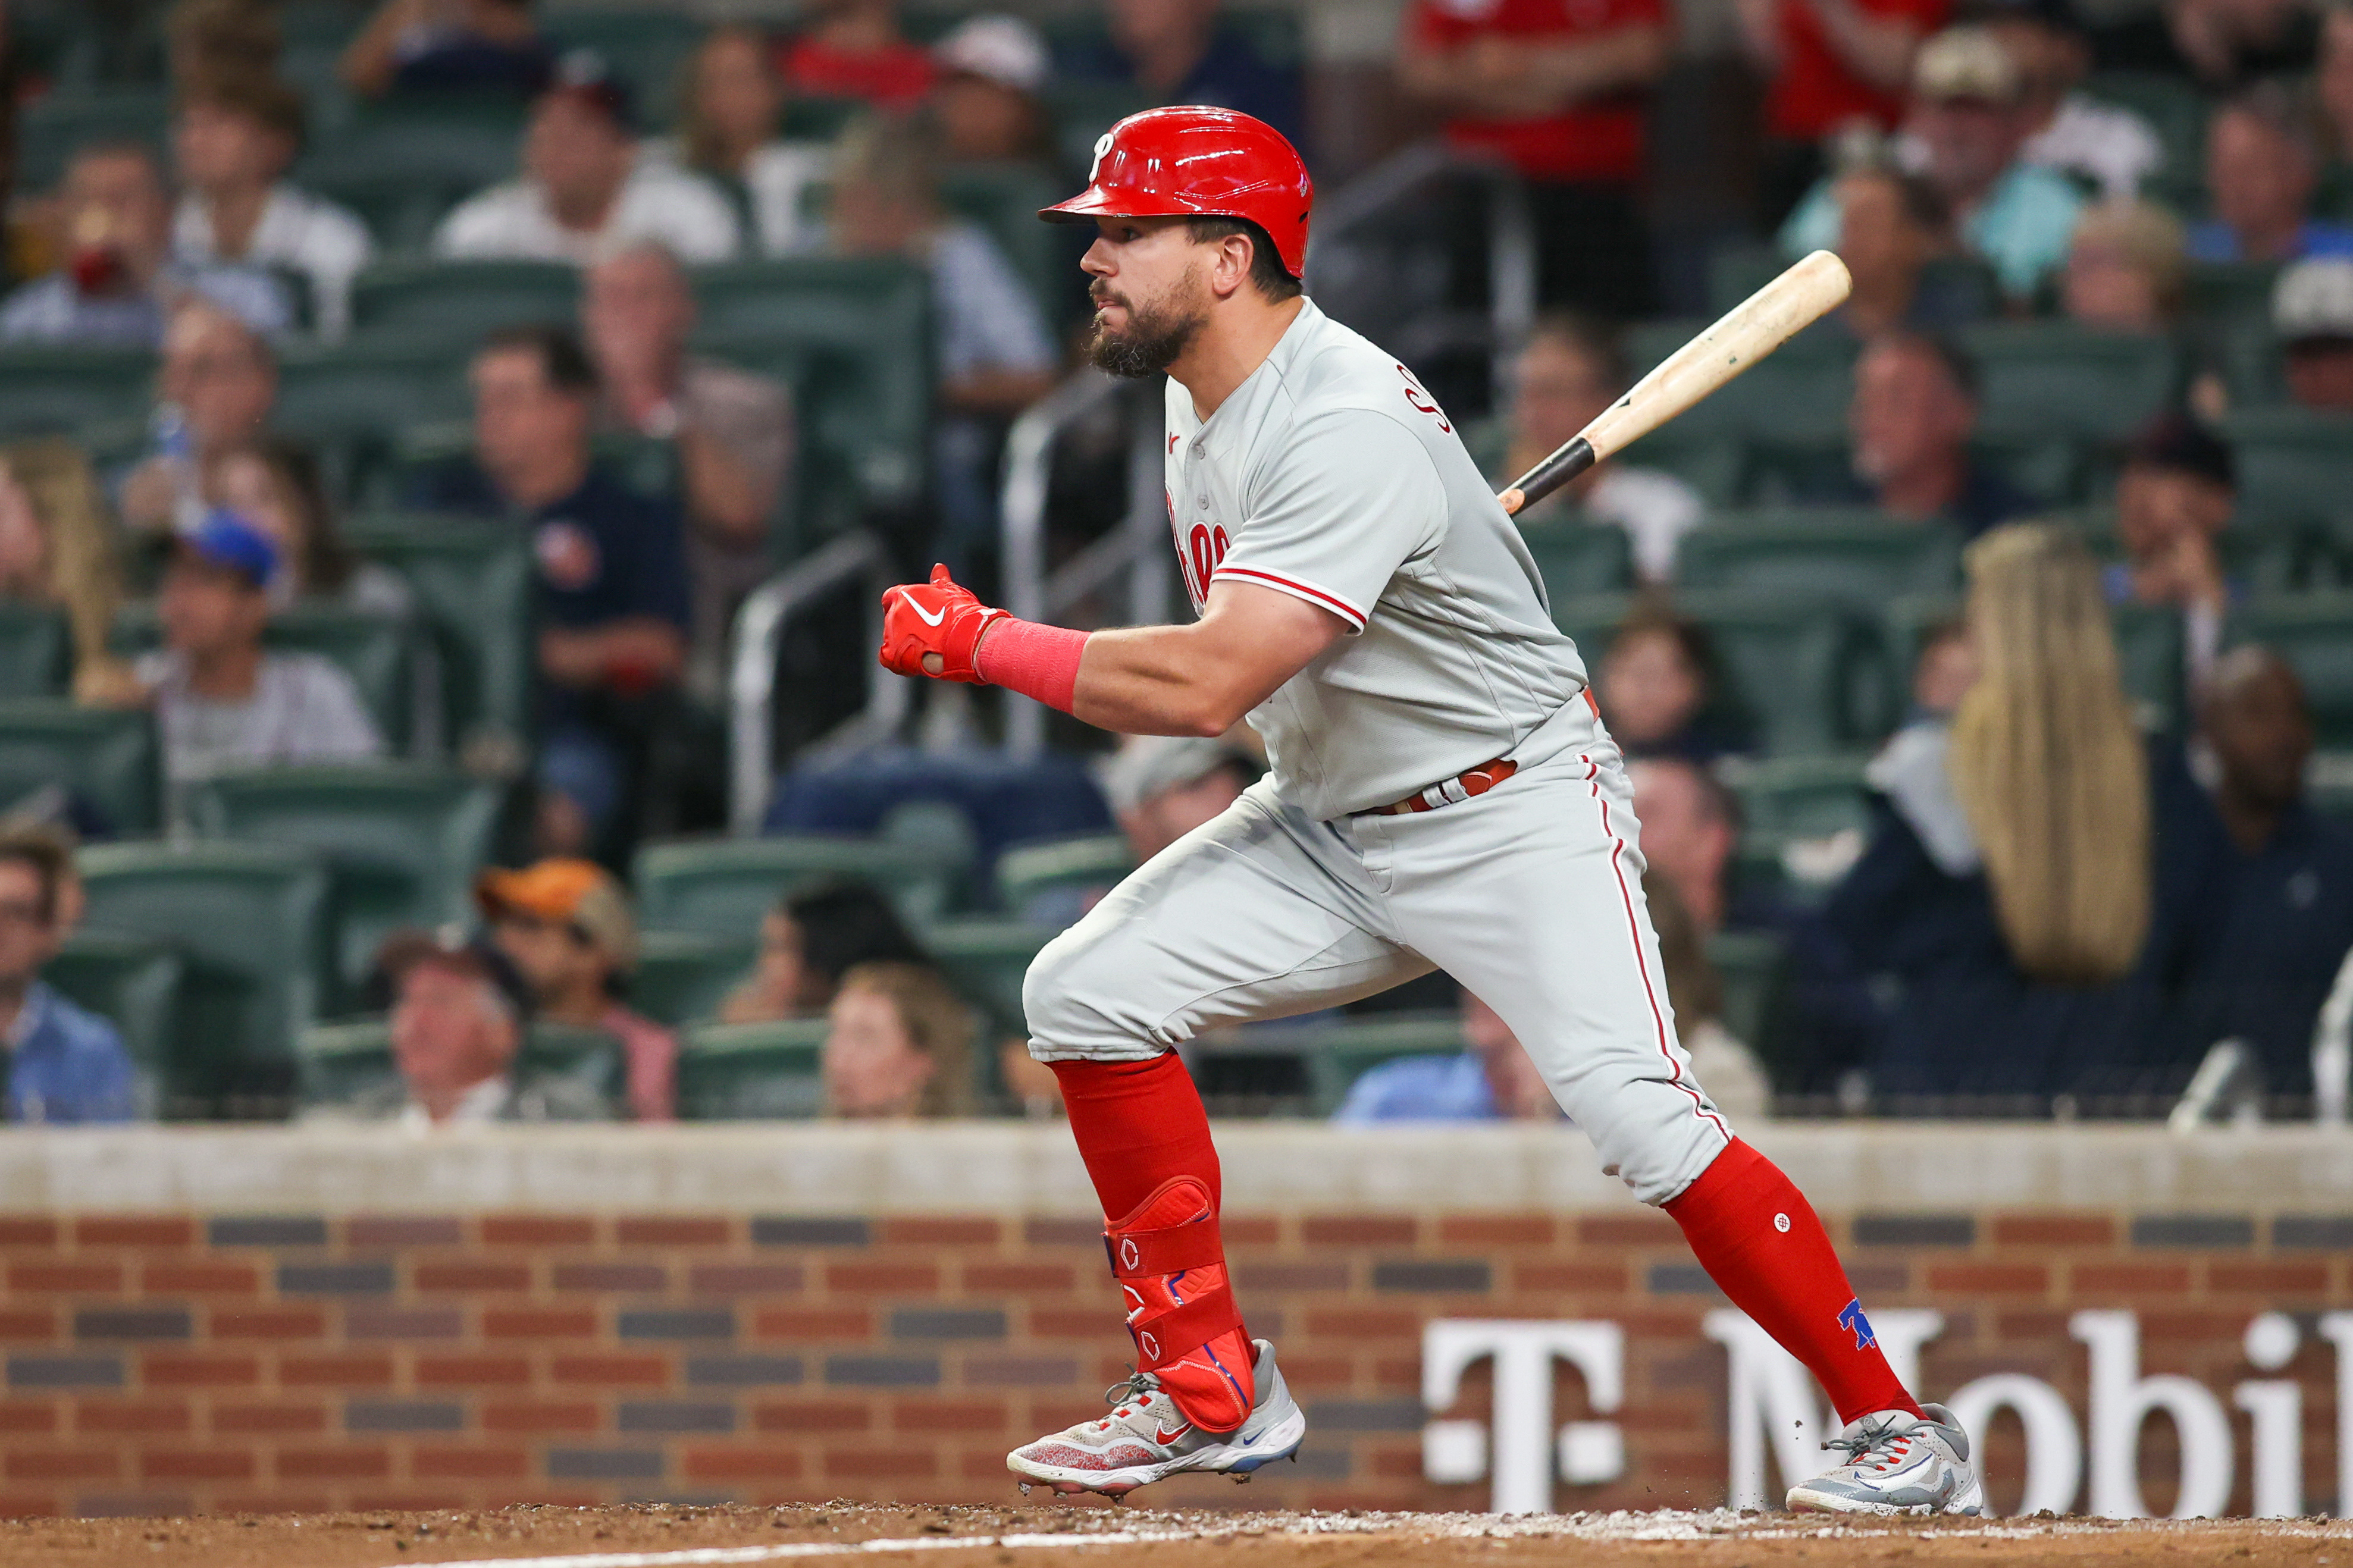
(1448, 792)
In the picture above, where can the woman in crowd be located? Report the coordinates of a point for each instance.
(1655, 686)
(275, 486)
(2036, 870)
(900, 1046)
(809, 941)
(2127, 269)
(55, 548)
(734, 103)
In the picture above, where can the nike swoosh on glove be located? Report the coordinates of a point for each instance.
(937, 617)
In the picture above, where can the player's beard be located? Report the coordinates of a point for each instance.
(1155, 336)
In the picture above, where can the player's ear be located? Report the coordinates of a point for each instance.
(1231, 272)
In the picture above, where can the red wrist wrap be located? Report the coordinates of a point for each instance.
(1038, 662)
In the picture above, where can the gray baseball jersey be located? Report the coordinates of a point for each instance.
(1330, 475)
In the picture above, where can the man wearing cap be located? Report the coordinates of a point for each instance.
(1969, 120)
(1366, 602)
(986, 101)
(459, 1015)
(566, 927)
(585, 190)
(220, 700)
(2312, 316)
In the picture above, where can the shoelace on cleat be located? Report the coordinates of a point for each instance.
(1137, 1390)
(1860, 1448)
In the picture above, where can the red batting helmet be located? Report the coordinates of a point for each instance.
(1196, 161)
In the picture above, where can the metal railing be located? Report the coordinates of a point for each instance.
(760, 627)
(1138, 547)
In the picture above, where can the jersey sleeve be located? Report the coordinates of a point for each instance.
(1335, 512)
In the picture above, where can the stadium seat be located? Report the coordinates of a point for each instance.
(52, 125)
(1029, 871)
(986, 960)
(647, 46)
(1004, 198)
(456, 302)
(459, 137)
(1813, 795)
(745, 1072)
(853, 336)
(1339, 1055)
(2149, 661)
(473, 587)
(377, 651)
(1083, 111)
(250, 923)
(400, 842)
(1807, 677)
(1578, 557)
(1801, 394)
(109, 757)
(1750, 964)
(35, 649)
(2177, 111)
(351, 400)
(2232, 292)
(2046, 380)
(682, 976)
(335, 1063)
(134, 982)
(722, 887)
(2295, 465)
(1862, 558)
(1735, 272)
(2314, 632)
(61, 391)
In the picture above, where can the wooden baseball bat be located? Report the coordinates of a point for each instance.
(1756, 326)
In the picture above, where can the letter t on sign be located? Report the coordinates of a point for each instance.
(1521, 1447)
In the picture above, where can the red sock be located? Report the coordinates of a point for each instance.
(1758, 1238)
(1145, 1138)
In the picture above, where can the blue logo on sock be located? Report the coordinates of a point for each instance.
(1851, 1317)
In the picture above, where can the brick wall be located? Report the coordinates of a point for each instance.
(167, 1362)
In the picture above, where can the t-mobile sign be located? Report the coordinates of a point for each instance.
(1776, 1412)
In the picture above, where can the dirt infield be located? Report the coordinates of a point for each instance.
(1081, 1535)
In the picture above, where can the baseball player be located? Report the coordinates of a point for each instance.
(1443, 793)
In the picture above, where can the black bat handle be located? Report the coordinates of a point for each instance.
(1552, 473)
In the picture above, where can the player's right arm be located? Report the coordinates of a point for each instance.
(1199, 680)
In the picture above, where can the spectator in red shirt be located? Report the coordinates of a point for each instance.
(1557, 89)
(1829, 64)
(853, 48)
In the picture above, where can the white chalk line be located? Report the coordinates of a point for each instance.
(1664, 1524)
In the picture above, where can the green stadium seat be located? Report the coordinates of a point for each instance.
(36, 650)
(1798, 394)
(2234, 293)
(2053, 380)
(2150, 662)
(1807, 677)
(249, 921)
(647, 47)
(473, 137)
(370, 389)
(1028, 871)
(2177, 111)
(132, 982)
(2295, 465)
(752, 1072)
(2314, 632)
(682, 976)
(1813, 795)
(377, 651)
(853, 336)
(109, 757)
(1735, 272)
(1716, 465)
(457, 303)
(50, 126)
(1339, 1055)
(473, 587)
(986, 960)
(53, 391)
(1863, 558)
(1004, 198)
(401, 841)
(1578, 557)
(1082, 110)
(336, 1063)
(722, 886)
(1751, 965)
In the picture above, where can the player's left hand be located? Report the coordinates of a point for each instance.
(933, 629)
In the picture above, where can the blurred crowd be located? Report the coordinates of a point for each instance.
(2053, 897)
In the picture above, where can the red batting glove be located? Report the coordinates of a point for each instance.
(937, 617)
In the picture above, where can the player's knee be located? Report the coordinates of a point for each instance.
(1057, 1001)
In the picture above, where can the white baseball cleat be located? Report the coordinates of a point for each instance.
(1146, 1438)
(1900, 1464)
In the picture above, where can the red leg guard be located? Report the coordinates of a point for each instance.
(1145, 1140)
(1758, 1238)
